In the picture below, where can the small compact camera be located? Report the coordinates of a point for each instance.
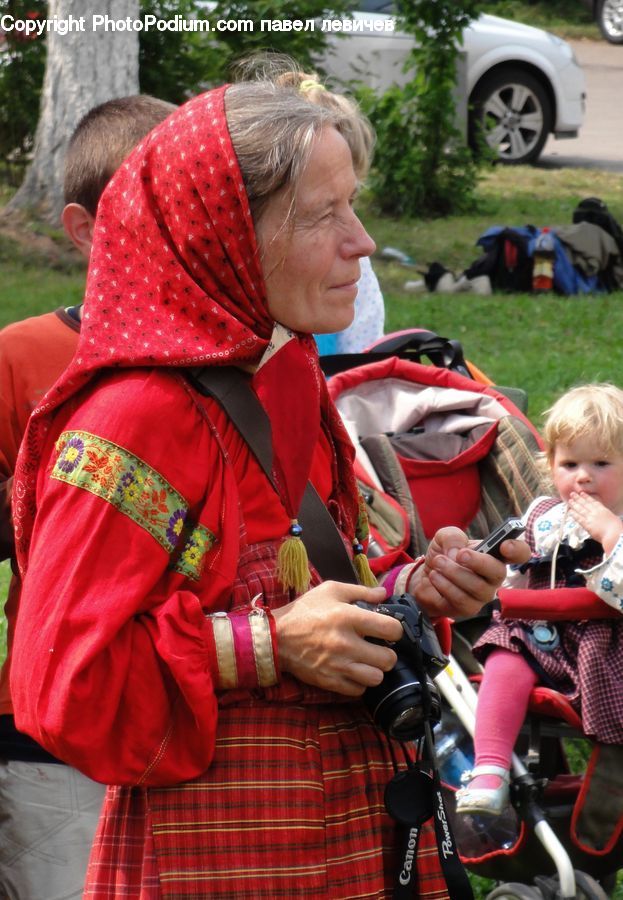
(407, 696)
(508, 530)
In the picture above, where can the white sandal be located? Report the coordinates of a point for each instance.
(484, 801)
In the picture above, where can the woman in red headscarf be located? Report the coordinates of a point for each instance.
(163, 645)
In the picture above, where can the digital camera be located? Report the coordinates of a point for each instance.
(407, 696)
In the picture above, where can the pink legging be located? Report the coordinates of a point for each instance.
(502, 704)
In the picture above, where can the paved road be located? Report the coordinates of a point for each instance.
(600, 142)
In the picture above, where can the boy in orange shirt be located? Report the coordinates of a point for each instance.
(49, 811)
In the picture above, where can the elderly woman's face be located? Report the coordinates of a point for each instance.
(311, 268)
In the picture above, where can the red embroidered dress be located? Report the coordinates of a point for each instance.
(147, 527)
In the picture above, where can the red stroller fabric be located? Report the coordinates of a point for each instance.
(409, 402)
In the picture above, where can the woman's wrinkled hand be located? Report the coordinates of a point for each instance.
(322, 638)
(455, 580)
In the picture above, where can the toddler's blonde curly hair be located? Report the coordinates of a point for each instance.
(589, 410)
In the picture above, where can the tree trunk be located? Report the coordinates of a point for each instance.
(83, 69)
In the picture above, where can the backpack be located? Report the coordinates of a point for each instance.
(595, 211)
(507, 258)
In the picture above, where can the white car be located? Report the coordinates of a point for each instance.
(521, 83)
(609, 17)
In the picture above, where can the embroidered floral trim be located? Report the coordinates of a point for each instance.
(189, 562)
(606, 578)
(123, 480)
(556, 525)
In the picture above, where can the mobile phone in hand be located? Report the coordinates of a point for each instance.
(508, 530)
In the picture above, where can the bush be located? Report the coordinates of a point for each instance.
(411, 175)
(22, 64)
(174, 64)
(303, 46)
(422, 166)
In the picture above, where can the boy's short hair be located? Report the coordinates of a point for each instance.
(101, 141)
(590, 410)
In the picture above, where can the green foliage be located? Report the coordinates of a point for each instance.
(540, 14)
(22, 64)
(413, 176)
(303, 46)
(174, 64)
(422, 164)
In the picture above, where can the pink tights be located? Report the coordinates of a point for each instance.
(502, 704)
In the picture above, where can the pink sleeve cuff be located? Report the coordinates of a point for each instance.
(244, 645)
(399, 579)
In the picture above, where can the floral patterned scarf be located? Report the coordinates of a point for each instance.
(175, 280)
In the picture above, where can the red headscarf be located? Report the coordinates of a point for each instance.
(175, 280)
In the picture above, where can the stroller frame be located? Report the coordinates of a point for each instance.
(461, 696)
(535, 771)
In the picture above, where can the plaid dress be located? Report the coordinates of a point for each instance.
(291, 806)
(585, 663)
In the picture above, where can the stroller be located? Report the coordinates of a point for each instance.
(440, 445)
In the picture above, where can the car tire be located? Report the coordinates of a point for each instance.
(512, 113)
(609, 17)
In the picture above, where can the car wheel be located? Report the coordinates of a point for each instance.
(609, 16)
(511, 111)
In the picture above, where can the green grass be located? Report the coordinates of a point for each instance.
(5, 576)
(35, 278)
(29, 294)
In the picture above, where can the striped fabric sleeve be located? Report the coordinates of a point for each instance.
(244, 648)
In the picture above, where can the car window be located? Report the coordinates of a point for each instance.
(376, 6)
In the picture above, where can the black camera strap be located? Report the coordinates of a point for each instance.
(411, 799)
(458, 883)
(413, 796)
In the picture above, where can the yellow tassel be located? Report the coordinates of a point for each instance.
(292, 561)
(364, 573)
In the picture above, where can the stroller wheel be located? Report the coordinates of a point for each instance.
(587, 888)
(515, 891)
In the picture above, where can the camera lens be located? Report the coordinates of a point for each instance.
(397, 704)
(407, 725)
(400, 705)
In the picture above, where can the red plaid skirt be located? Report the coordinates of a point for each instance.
(292, 806)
